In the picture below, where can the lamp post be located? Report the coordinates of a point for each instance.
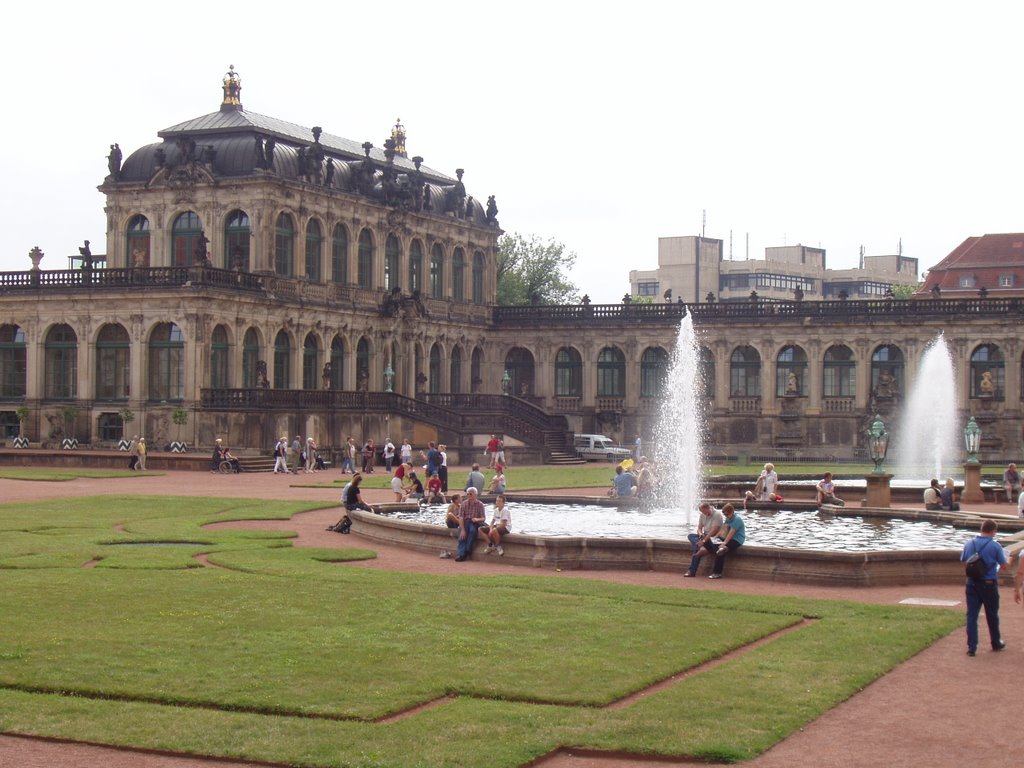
(506, 382)
(389, 379)
(878, 492)
(972, 468)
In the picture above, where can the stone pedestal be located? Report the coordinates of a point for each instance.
(878, 492)
(972, 484)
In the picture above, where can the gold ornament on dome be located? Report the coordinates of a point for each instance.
(398, 134)
(232, 88)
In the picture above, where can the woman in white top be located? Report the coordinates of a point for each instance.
(442, 471)
(767, 483)
(501, 524)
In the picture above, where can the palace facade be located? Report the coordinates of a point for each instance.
(263, 279)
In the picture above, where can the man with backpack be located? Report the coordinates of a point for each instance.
(982, 588)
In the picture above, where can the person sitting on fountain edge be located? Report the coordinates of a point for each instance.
(735, 535)
(1011, 481)
(933, 496)
(826, 492)
(705, 541)
(948, 496)
(623, 483)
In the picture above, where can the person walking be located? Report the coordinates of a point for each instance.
(983, 591)
(281, 456)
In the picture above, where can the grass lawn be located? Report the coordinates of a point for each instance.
(54, 474)
(285, 655)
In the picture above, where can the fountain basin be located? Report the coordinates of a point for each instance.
(774, 564)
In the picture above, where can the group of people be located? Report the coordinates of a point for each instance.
(137, 454)
(941, 496)
(304, 455)
(222, 454)
(719, 533)
(633, 478)
(469, 516)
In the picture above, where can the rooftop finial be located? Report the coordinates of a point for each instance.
(232, 90)
(398, 134)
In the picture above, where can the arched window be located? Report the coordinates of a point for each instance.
(113, 363)
(363, 365)
(166, 363)
(282, 361)
(745, 373)
(478, 278)
(437, 273)
(707, 372)
(337, 363)
(434, 377)
(791, 372)
(653, 370)
(887, 372)
(314, 251)
(61, 364)
(839, 376)
(237, 235)
(458, 273)
(392, 253)
(519, 364)
(311, 362)
(284, 246)
(476, 370)
(13, 362)
(219, 358)
(987, 372)
(611, 373)
(138, 242)
(416, 266)
(395, 363)
(188, 245)
(365, 276)
(568, 373)
(339, 255)
(455, 377)
(250, 357)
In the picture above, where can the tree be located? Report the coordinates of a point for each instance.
(180, 419)
(534, 271)
(905, 291)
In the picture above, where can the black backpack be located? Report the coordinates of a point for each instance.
(975, 566)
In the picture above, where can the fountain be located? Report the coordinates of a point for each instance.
(926, 441)
(680, 431)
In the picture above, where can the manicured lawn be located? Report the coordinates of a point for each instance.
(54, 474)
(286, 655)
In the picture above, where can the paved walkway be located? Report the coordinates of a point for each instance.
(914, 716)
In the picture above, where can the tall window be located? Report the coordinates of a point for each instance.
(219, 357)
(839, 376)
(13, 362)
(519, 364)
(568, 373)
(250, 356)
(478, 278)
(434, 377)
(416, 266)
(887, 372)
(337, 363)
(282, 361)
(653, 370)
(745, 373)
(166, 363)
(455, 377)
(339, 255)
(392, 252)
(791, 372)
(987, 372)
(60, 377)
(237, 235)
(138, 242)
(310, 362)
(187, 245)
(707, 372)
(476, 367)
(365, 276)
(611, 373)
(437, 273)
(314, 250)
(458, 273)
(363, 364)
(284, 246)
(113, 363)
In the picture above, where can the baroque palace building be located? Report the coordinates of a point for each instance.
(263, 279)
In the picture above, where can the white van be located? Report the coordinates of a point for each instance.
(599, 448)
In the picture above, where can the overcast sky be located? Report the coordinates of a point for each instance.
(832, 125)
